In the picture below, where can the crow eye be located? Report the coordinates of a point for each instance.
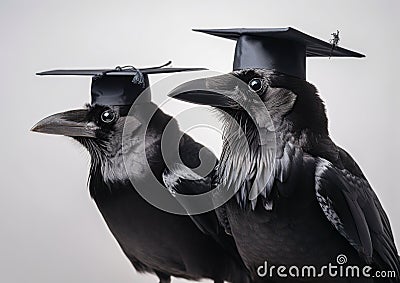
(108, 116)
(255, 84)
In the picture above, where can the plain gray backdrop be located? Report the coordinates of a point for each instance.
(51, 230)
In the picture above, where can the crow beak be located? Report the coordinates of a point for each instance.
(212, 91)
(72, 123)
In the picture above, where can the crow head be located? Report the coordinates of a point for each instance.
(98, 128)
(291, 102)
(271, 109)
(110, 134)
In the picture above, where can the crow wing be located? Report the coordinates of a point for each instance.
(182, 180)
(353, 208)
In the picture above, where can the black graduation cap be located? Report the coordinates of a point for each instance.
(118, 86)
(281, 49)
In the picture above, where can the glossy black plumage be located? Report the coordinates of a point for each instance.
(317, 205)
(154, 241)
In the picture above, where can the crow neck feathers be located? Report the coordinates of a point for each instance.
(300, 124)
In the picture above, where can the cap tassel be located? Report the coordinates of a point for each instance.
(138, 78)
(334, 41)
(162, 66)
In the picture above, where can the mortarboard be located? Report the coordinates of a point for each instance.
(118, 86)
(281, 49)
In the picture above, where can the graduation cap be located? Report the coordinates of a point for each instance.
(281, 49)
(118, 86)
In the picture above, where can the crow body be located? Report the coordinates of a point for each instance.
(155, 241)
(315, 204)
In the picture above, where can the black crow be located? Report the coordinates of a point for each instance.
(154, 240)
(318, 204)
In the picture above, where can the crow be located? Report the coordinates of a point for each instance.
(300, 200)
(154, 240)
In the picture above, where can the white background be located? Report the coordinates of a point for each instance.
(50, 229)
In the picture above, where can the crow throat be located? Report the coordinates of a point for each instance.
(106, 172)
(246, 163)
